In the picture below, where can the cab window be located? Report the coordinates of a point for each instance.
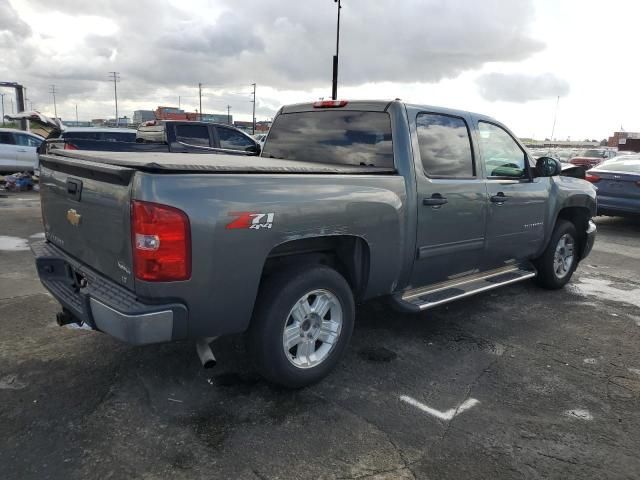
(445, 146)
(501, 155)
(232, 140)
(193, 134)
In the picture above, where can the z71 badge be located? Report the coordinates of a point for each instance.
(251, 220)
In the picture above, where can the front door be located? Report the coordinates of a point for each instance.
(517, 201)
(452, 201)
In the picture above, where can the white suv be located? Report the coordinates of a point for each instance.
(18, 150)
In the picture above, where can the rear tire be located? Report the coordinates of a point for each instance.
(560, 259)
(301, 326)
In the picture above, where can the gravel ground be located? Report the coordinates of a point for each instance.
(516, 383)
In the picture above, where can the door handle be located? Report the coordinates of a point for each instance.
(435, 200)
(499, 198)
(21, 150)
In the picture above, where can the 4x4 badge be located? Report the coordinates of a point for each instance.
(73, 217)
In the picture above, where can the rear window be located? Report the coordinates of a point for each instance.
(627, 165)
(339, 137)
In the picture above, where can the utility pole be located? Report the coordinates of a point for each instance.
(52, 91)
(228, 114)
(76, 114)
(555, 116)
(115, 78)
(200, 95)
(254, 108)
(178, 102)
(334, 89)
(2, 95)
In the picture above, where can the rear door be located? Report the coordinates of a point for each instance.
(452, 199)
(8, 151)
(517, 201)
(27, 155)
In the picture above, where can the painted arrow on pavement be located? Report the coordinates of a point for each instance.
(447, 414)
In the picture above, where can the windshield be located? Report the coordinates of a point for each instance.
(342, 137)
(592, 154)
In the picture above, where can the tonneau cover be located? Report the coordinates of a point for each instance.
(211, 163)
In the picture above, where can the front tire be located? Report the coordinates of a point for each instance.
(560, 259)
(302, 322)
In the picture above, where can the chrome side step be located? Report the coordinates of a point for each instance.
(423, 298)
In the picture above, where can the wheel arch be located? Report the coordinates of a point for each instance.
(579, 216)
(348, 254)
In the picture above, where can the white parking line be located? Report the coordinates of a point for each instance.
(446, 415)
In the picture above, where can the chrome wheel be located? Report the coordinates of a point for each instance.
(564, 256)
(312, 328)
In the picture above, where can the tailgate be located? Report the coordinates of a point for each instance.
(86, 213)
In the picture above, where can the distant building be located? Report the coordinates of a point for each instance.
(621, 140)
(140, 116)
(98, 122)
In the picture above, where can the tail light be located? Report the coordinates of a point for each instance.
(161, 238)
(70, 146)
(589, 177)
(330, 104)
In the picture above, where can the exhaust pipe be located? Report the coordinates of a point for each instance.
(65, 318)
(205, 353)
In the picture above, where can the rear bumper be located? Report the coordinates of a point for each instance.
(590, 239)
(104, 305)
(618, 206)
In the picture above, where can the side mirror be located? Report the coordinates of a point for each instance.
(255, 149)
(547, 167)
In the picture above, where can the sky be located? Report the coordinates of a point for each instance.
(510, 59)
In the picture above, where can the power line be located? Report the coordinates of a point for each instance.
(52, 91)
(115, 78)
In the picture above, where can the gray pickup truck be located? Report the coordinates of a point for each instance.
(348, 201)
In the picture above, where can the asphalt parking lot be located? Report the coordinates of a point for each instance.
(517, 383)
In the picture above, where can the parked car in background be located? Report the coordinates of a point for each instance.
(194, 137)
(18, 150)
(180, 136)
(617, 183)
(591, 158)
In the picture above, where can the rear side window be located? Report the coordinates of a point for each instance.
(631, 165)
(80, 135)
(193, 134)
(339, 137)
(7, 138)
(233, 140)
(118, 137)
(445, 146)
(27, 140)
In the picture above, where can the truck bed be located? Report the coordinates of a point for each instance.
(211, 163)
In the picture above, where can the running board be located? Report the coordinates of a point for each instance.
(431, 296)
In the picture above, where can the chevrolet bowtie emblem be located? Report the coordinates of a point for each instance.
(73, 217)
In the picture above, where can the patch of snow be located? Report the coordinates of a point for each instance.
(579, 414)
(13, 244)
(602, 288)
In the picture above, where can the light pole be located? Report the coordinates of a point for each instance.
(2, 95)
(334, 89)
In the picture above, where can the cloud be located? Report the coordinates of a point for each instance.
(163, 44)
(521, 88)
